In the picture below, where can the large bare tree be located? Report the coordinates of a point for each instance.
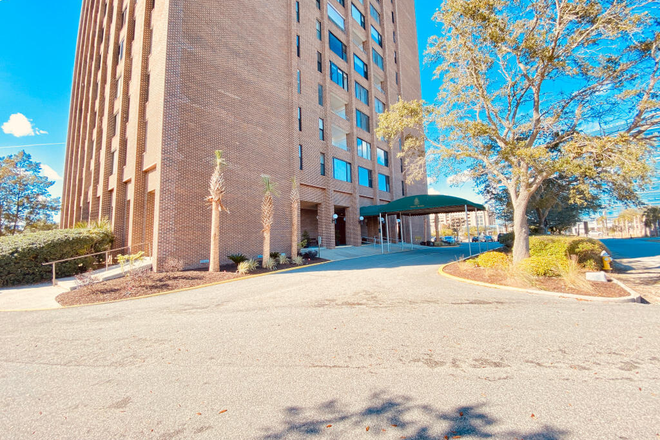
(535, 88)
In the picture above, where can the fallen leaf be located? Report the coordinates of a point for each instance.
(199, 414)
(395, 425)
(533, 415)
(640, 389)
(460, 414)
(223, 411)
(367, 428)
(456, 436)
(329, 426)
(446, 437)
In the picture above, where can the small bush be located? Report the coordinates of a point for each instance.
(270, 264)
(237, 258)
(506, 239)
(543, 266)
(548, 246)
(252, 264)
(309, 255)
(274, 255)
(298, 261)
(244, 268)
(493, 260)
(282, 259)
(21, 255)
(588, 252)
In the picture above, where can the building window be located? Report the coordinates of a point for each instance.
(392, 16)
(363, 149)
(341, 2)
(118, 87)
(379, 106)
(320, 94)
(120, 54)
(357, 16)
(299, 119)
(338, 76)
(401, 164)
(365, 177)
(319, 61)
(318, 4)
(361, 93)
(147, 82)
(321, 129)
(396, 78)
(123, 18)
(300, 163)
(298, 11)
(394, 36)
(322, 164)
(403, 189)
(374, 13)
(375, 35)
(318, 30)
(337, 46)
(299, 86)
(378, 59)
(382, 157)
(360, 66)
(362, 121)
(298, 45)
(341, 170)
(336, 17)
(383, 182)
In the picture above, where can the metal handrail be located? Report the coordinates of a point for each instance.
(54, 263)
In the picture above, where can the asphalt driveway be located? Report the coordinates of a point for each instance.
(345, 350)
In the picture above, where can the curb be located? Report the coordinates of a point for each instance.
(167, 292)
(634, 297)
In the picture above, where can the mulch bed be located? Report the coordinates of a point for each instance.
(151, 283)
(494, 276)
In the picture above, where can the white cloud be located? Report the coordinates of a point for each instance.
(459, 179)
(434, 191)
(50, 173)
(19, 126)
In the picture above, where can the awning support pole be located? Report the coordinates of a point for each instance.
(412, 245)
(380, 232)
(467, 226)
(400, 222)
(387, 228)
(478, 235)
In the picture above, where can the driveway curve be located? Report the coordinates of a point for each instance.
(372, 347)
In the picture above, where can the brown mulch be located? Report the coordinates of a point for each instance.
(151, 283)
(494, 276)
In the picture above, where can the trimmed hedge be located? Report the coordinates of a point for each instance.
(492, 260)
(21, 256)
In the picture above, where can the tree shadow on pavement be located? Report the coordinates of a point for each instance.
(385, 415)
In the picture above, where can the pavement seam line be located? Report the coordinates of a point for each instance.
(167, 292)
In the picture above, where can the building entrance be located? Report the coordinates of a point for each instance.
(340, 227)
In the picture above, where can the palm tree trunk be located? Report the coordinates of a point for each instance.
(214, 260)
(266, 255)
(294, 230)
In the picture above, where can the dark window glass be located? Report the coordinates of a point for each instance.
(383, 182)
(363, 149)
(321, 129)
(361, 93)
(360, 66)
(374, 13)
(320, 94)
(362, 120)
(318, 30)
(341, 170)
(300, 160)
(357, 16)
(299, 87)
(378, 59)
(298, 11)
(375, 35)
(318, 4)
(365, 177)
(337, 46)
(298, 45)
(338, 76)
(383, 157)
(319, 62)
(299, 119)
(379, 106)
(322, 164)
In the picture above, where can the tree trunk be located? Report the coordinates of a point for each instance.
(214, 260)
(521, 231)
(295, 211)
(437, 228)
(266, 255)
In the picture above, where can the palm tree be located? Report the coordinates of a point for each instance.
(295, 211)
(267, 213)
(217, 191)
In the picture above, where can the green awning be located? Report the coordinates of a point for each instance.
(423, 204)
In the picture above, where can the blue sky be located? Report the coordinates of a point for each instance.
(36, 68)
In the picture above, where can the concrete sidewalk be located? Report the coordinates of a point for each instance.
(641, 275)
(42, 296)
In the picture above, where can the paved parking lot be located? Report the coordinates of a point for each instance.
(345, 350)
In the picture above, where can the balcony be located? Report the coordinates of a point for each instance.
(359, 38)
(339, 137)
(338, 105)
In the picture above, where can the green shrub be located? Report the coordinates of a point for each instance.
(548, 246)
(506, 239)
(237, 258)
(21, 255)
(543, 266)
(493, 260)
(588, 252)
(275, 256)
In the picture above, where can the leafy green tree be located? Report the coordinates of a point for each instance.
(652, 219)
(25, 202)
(525, 87)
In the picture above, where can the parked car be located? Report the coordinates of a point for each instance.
(448, 240)
(475, 239)
(488, 238)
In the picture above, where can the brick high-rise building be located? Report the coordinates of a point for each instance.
(285, 88)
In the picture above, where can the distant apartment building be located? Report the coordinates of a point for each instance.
(481, 219)
(286, 88)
